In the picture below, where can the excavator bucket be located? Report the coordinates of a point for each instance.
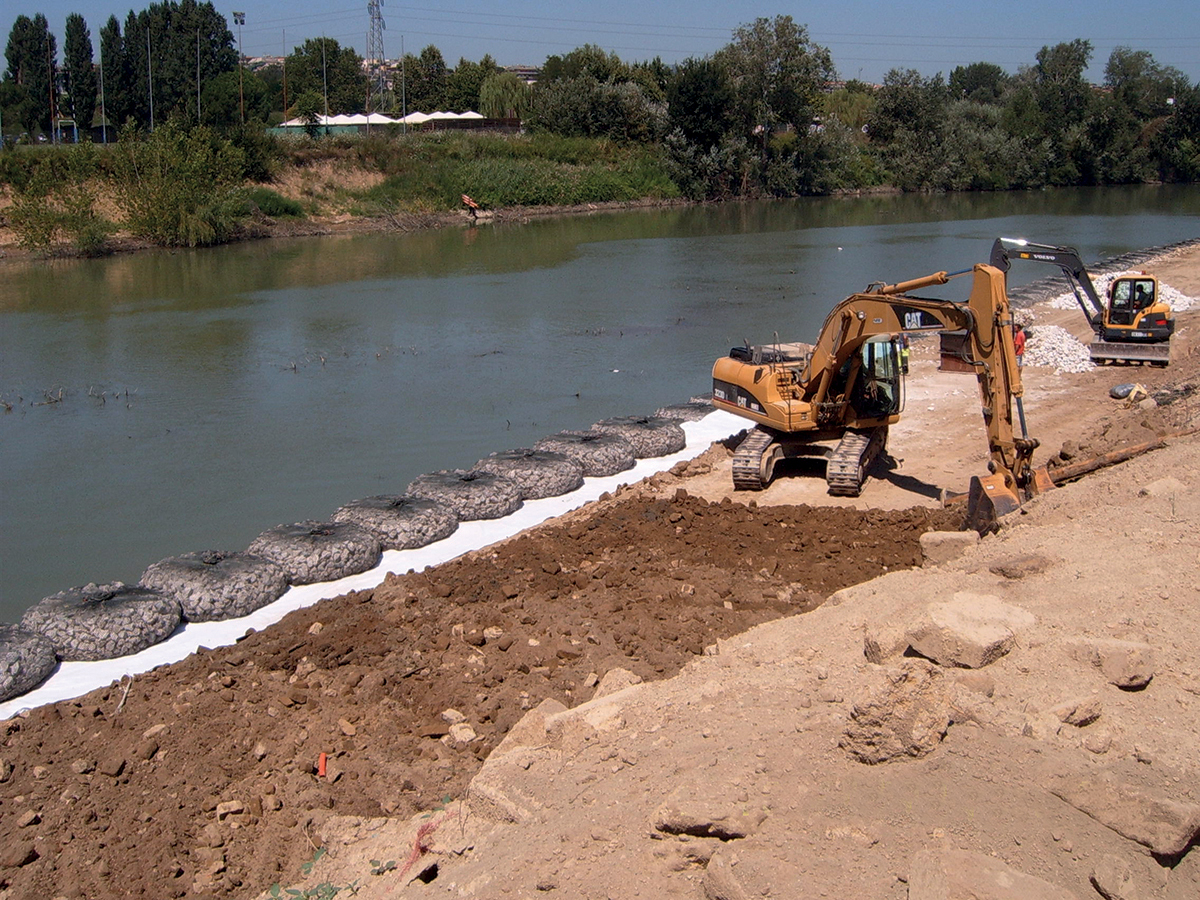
(1124, 351)
(988, 500)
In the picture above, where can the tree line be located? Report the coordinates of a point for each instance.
(763, 116)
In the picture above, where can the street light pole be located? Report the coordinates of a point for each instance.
(240, 19)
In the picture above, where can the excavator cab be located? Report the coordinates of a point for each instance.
(1128, 297)
(879, 389)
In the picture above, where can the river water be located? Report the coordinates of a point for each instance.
(169, 402)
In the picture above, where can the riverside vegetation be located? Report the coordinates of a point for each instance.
(764, 116)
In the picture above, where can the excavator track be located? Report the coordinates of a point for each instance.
(754, 461)
(847, 469)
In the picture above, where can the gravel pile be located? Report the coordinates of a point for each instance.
(26, 659)
(470, 494)
(102, 621)
(1057, 348)
(213, 585)
(1179, 302)
(399, 521)
(538, 473)
(310, 552)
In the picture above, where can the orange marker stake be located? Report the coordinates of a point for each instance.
(321, 765)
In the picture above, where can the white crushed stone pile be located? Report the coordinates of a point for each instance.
(1055, 347)
(1178, 301)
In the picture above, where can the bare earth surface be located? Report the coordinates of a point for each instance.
(1021, 717)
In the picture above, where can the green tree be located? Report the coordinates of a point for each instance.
(324, 67)
(653, 77)
(1140, 84)
(79, 73)
(907, 102)
(113, 75)
(180, 186)
(464, 83)
(504, 96)
(586, 61)
(152, 61)
(851, 105)
(981, 82)
(425, 80)
(309, 106)
(585, 107)
(223, 97)
(700, 99)
(778, 75)
(30, 54)
(1062, 92)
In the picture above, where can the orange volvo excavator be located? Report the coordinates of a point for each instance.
(836, 398)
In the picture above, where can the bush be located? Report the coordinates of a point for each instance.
(179, 186)
(273, 204)
(56, 201)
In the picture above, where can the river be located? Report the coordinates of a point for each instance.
(166, 402)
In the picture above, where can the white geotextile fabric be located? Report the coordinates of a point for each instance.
(73, 679)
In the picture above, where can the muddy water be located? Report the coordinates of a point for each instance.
(170, 402)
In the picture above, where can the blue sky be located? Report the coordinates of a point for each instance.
(866, 37)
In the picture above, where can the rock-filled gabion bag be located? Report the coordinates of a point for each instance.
(26, 660)
(310, 552)
(212, 585)
(649, 436)
(472, 495)
(400, 521)
(103, 621)
(600, 454)
(538, 473)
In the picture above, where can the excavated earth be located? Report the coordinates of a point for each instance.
(654, 696)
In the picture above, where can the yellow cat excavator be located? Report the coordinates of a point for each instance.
(836, 398)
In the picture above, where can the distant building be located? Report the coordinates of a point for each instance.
(528, 74)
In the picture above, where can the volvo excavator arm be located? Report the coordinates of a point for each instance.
(1067, 259)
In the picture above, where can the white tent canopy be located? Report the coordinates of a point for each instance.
(413, 118)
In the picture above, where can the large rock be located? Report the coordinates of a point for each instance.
(1126, 664)
(1165, 825)
(970, 630)
(703, 808)
(906, 714)
(720, 881)
(1112, 878)
(963, 875)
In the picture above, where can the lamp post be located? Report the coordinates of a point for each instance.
(240, 19)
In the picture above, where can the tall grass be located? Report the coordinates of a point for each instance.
(434, 171)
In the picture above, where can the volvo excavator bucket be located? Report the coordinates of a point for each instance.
(1125, 351)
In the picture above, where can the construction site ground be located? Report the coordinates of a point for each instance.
(655, 696)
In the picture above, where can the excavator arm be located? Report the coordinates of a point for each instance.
(987, 321)
(1067, 259)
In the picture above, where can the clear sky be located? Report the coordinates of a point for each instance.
(866, 37)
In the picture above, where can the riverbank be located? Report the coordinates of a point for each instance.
(205, 777)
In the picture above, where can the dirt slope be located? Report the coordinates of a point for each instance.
(201, 779)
